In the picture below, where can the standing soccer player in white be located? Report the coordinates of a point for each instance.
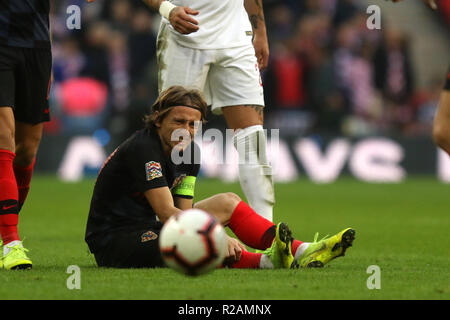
(219, 47)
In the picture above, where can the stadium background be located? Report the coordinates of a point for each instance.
(326, 88)
(330, 80)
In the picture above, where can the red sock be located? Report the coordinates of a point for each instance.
(249, 260)
(9, 196)
(252, 229)
(23, 178)
(295, 245)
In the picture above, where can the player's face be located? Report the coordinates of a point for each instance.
(177, 129)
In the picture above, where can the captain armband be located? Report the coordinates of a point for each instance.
(185, 188)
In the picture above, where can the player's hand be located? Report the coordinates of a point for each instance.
(261, 45)
(234, 250)
(181, 20)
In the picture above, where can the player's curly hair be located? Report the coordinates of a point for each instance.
(175, 96)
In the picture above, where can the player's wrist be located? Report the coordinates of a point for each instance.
(166, 8)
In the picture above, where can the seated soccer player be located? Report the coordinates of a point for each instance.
(141, 186)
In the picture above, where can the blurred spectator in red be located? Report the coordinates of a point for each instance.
(284, 78)
(82, 105)
(285, 89)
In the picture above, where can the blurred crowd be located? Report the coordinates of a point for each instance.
(327, 73)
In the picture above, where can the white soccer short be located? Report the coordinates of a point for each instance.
(227, 77)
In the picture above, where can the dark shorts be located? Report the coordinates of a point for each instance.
(25, 82)
(132, 249)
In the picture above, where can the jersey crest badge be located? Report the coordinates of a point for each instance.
(153, 170)
(149, 235)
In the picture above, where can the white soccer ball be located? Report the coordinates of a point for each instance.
(193, 242)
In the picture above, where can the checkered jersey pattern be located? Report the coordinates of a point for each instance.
(25, 23)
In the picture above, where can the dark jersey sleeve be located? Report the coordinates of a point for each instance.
(145, 164)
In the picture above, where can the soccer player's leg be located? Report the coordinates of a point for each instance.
(13, 254)
(32, 71)
(441, 125)
(28, 138)
(252, 229)
(255, 172)
(319, 253)
(238, 95)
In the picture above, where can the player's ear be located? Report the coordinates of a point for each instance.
(156, 119)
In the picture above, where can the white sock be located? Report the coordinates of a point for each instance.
(301, 249)
(255, 172)
(265, 262)
(7, 247)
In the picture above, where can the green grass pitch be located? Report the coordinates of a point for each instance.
(402, 228)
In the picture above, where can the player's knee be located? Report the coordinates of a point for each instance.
(7, 139)
(26, 151)
(229, 201)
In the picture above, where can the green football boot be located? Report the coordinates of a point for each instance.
(280, 252)
(319, 253)
(16, 258)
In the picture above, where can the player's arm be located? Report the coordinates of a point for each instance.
(179, 17)
(183, 203)
(162, 203)
(441, 125)
(255, 13)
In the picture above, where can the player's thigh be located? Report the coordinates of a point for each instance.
(179, 65)
(27, 137)
(7, 98)
(441, 126)
(244, 116)
(133, 249)
(238, 91)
